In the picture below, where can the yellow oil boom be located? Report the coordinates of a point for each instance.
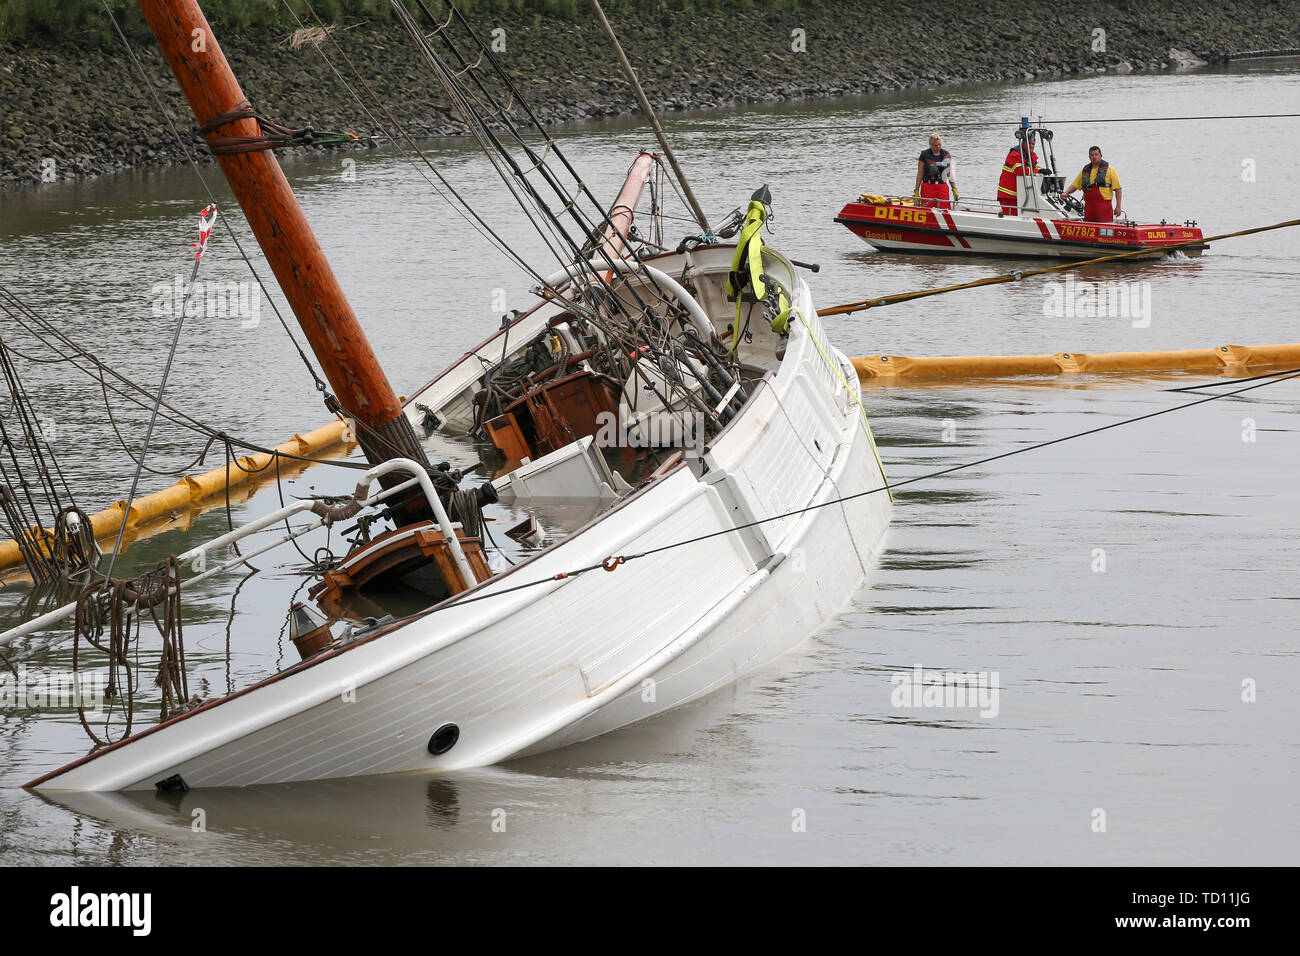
(875, 367)
(196, 492)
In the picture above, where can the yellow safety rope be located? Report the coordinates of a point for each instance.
(857, 397)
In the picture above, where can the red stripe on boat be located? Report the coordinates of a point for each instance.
(953, 226)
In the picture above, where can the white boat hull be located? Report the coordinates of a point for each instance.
(575, 656)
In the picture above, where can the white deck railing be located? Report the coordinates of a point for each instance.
(198, 554)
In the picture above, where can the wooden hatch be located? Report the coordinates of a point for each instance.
(415, 557)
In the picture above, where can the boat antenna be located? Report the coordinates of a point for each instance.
(650, 114)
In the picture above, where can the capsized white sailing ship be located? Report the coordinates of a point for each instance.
(689, 401)
(523, 671)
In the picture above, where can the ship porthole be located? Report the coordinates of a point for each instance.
(443, 739)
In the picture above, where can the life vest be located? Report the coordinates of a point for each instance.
(1100, 176)
(935, 166)
(747, 268)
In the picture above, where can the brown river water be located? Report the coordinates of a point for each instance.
(1135, 591)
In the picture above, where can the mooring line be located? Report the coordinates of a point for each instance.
(1234, 381)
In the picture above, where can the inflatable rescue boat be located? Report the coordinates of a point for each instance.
(1045, 224)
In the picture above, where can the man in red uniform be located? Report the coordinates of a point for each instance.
(1016, 166)
(1100, 183)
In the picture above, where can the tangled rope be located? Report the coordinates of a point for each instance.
(74, 550)
(108, 618)
(172, 679)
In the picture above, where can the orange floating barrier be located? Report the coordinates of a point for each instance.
(1005, 366)
(195, 491)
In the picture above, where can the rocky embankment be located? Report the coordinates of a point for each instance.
(70, 109)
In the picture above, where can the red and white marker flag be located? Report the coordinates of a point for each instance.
(207, 219)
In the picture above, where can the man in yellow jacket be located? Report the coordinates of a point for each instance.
(1099, 183)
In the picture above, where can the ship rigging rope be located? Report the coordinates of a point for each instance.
(1028, 273)
(630, 74)
(162, 385)
(467, 213)
(611, 562)
(34, 434)
(476, 221)
(477, 111)
(144, 77)
(69, 549)
(320, 385)
(116, 607)
(278, 137)
(1232, 381)
(497, 109)
(490, 107)
(186, 152)
(476, 124)
(464, 209)
(20, 312)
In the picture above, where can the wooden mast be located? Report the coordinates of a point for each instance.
(281, 228)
